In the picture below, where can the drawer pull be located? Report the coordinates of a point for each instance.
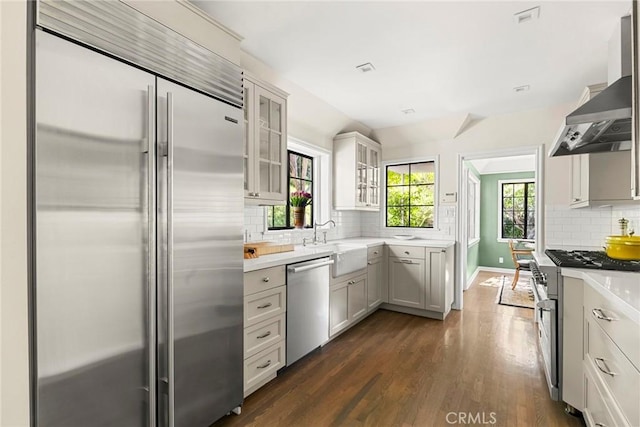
(375, 252)
(265, 365)
(369, 263)
(266, 334)
(600, 425)
(267, 305)
(597, 312)
(407, 252)
(265, 279)
(606, 369)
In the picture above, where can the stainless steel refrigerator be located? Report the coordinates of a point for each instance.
(138, 245)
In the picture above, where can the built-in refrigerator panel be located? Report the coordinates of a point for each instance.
(92, 269)
(200, 234)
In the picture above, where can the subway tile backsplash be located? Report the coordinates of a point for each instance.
(586, 228)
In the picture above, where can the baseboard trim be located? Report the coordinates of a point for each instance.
(503, 270)
(471, 279)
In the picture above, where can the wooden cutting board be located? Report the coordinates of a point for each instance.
(256, 249)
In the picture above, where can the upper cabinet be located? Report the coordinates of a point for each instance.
(635, 111)
(601, 178)
(265, 143)
(356, 172)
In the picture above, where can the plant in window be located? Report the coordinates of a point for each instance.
(300, 199)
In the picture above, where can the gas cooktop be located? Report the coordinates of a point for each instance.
(590, 259)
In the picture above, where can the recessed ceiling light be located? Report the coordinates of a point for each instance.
(408, 111)
(522, 88)
(527, 15)
(365, 68)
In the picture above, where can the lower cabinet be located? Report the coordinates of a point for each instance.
(265, 299)
(374, 283)
(421, 280)
(407, 282)
(347, 302)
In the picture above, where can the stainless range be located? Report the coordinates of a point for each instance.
(547, 285)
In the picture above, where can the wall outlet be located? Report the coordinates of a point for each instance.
(500, 260)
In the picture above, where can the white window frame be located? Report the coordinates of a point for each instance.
(436, 195)
(474, 181)
(514, 181)
(321, 181)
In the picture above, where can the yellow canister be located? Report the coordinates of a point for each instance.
(623, 247)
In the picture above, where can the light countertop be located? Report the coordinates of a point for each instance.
(305, 253)
(622, 287)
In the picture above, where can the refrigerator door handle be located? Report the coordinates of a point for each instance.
(170, 314)
(150, 177)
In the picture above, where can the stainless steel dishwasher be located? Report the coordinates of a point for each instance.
(307, 307)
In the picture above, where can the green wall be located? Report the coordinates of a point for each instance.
(489, 247)
(473, 251)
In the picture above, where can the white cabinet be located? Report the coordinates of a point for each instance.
(265, 143)
(265, 298)
(407, 282)
(356, 172)
(601, 178)
(421, 278)
(347, 302)
(374, 278)
(572, 320)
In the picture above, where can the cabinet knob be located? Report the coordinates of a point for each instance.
(406, 252)
(375, 252)
(576, 199)
(265, 279)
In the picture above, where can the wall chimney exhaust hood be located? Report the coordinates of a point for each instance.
(603, 124)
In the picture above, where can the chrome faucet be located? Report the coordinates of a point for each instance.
(315, 230)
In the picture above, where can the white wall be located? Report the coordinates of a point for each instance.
(14, 363)
(521, 129)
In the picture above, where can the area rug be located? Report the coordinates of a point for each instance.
(521, 296)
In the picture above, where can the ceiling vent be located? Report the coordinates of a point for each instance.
(527, 15)
(365, 68)
(408, 111)
(522, 88)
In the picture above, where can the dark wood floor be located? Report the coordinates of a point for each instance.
(394, 369)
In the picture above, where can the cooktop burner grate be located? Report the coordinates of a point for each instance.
(590, 259)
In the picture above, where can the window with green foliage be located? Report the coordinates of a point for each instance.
(300, 178)
(517, 210)
(411, 195)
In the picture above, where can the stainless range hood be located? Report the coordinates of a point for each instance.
(603, 124)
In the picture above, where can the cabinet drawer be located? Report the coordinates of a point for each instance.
(406, 251)
(624, 380)
(596, 412)
(374, 252)
(263, 334)
(622, 330)
(261, 280)
(263, 305)
(263, 365)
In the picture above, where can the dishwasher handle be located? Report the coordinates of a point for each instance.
(310, 266)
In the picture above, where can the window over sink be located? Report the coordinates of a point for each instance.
(410, 195)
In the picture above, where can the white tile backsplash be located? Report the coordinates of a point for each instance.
(586, 228)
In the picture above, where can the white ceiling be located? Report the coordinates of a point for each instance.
(510, 164)
(439, 58)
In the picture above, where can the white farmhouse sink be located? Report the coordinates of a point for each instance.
(348, 258)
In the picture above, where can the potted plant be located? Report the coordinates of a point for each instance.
(299, 201)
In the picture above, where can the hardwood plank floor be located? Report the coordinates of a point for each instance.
(394, 369)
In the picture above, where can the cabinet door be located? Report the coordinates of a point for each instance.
(361, 175)
(407, 282)
(373, 178)
(249, 148)
(374, 283)
(436, 280)
(579, 180)
(338, 308)
(271, 145)
(357, 299)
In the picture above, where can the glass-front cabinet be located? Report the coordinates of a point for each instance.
(356, 172)
(265, 165)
